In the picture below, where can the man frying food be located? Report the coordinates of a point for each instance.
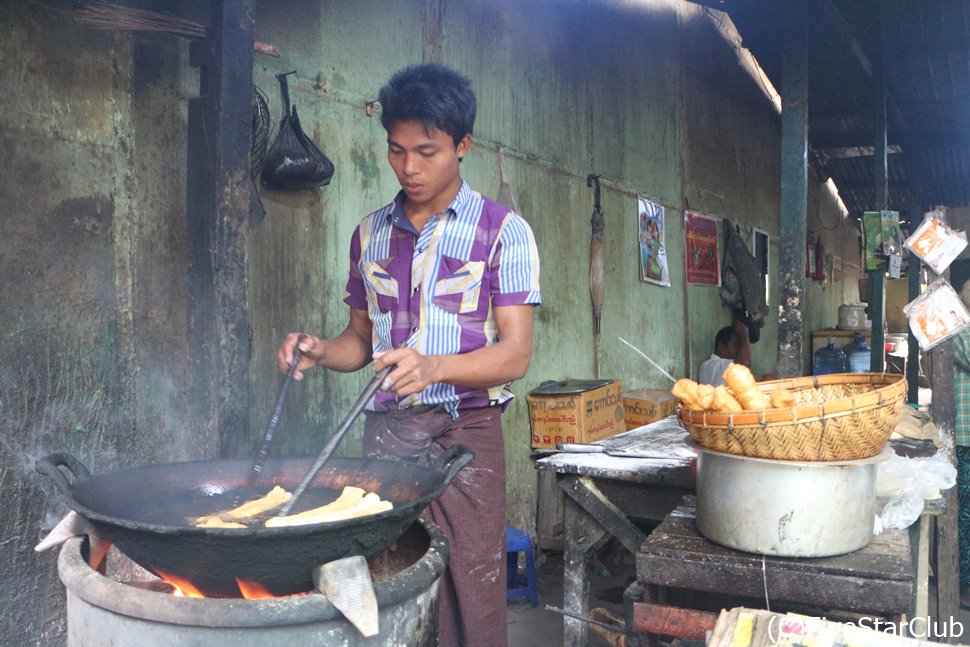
(442, 286)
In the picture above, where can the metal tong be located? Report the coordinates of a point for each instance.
(274, 420)
(362, 401)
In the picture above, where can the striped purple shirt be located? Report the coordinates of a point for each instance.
(436, 290)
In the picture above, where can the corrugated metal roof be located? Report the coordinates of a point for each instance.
(927, 62)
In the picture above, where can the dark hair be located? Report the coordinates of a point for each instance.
(724, 337)
(436, 95)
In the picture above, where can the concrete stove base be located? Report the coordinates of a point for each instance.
(102, 611)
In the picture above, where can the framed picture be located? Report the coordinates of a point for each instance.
(703, 257)
(650, 236)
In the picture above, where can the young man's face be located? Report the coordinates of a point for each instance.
(426, 164)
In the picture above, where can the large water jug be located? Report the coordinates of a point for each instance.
(857, 343)
(860, 361)
(829, 359)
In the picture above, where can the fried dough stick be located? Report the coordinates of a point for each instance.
(742, 383)
(782, 398)
(349, 497)
(352, 503)
(216, 522)
(723, 401)
(686, 391)
(274, 499)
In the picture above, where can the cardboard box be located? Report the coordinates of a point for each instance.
(578, 411)
(643, 406)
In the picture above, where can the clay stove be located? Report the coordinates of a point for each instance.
(103, 611)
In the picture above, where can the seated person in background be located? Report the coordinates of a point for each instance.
(730, 345)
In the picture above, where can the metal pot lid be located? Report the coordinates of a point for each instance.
(568, 387)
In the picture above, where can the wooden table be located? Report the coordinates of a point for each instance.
(603, 494)
(878, 580)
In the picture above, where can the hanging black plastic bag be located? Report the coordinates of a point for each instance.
(294, 161)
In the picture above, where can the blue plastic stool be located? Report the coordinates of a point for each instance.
(517, 541)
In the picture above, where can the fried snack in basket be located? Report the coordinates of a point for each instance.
(740, 380)
(705, 396)
(724, 402)
(686, 391)
(782, 399)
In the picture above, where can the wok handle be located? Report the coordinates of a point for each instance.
(453, 460)
(48, 466)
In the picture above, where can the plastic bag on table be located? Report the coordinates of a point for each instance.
(903, 484)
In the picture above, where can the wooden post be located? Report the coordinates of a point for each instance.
(877, 278)
(947, 526)
(219, 196)
(794, 187)
(597, 269)
(912, 361)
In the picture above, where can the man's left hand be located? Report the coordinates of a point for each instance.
(414, 372)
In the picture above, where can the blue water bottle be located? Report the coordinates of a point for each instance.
(857, 343)
(860, 361)
(828, 360)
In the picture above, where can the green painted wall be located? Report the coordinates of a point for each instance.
(656, 97)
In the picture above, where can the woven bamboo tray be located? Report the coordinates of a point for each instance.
(837, 417)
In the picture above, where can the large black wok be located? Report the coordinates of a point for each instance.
(144, 510)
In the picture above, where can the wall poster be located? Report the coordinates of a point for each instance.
(703, 264)
(872, 242)
(650, 233)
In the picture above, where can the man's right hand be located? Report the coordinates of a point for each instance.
(312, 350)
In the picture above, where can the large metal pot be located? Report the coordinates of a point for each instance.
(786, 508)
(144, 510)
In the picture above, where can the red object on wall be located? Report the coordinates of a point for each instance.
(814, 258)
(810, 257)
(819, 261)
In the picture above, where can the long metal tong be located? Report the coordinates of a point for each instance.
(362, 401)
(274, 420)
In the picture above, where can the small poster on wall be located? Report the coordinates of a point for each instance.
(650, 233)
(872, 242)
(892, 236)
(703, 266)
